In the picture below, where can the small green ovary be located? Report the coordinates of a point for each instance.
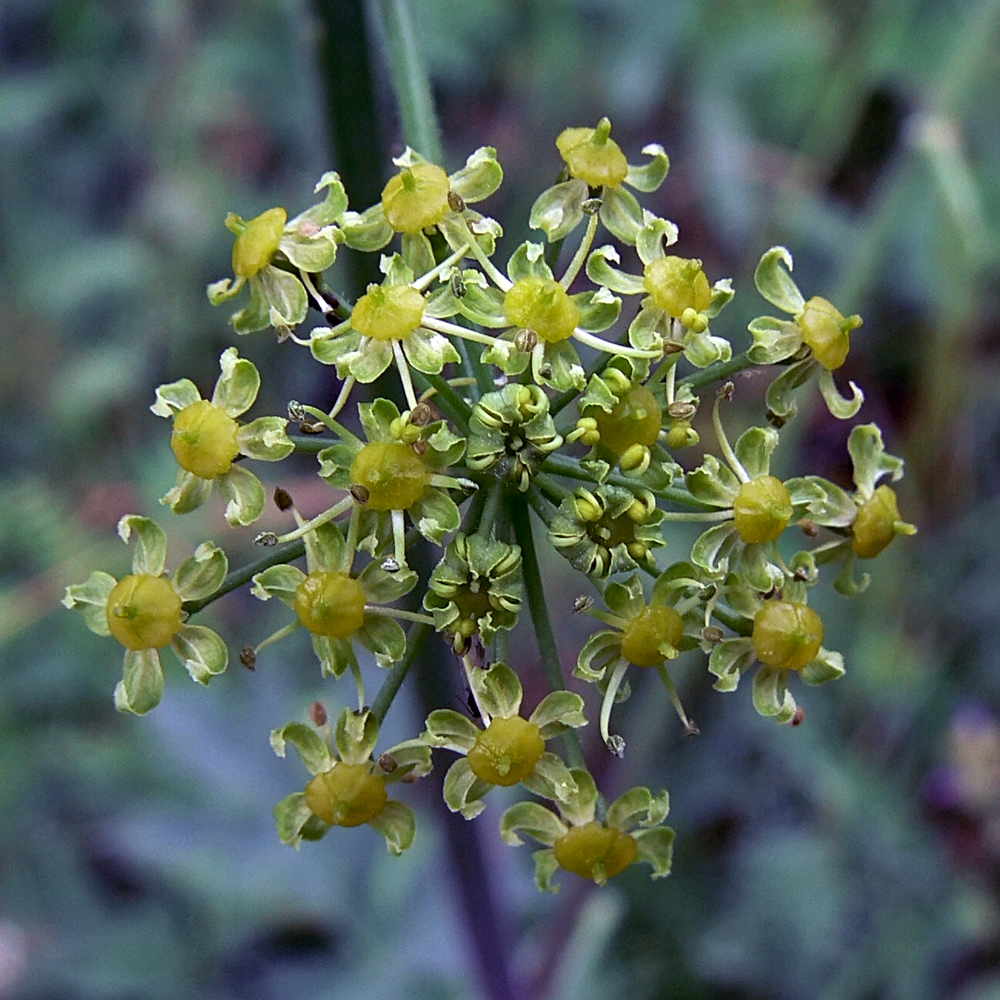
(542, 305)
(416, 197)
(258, 243)
(635, 419)
(787, 634)
(507, 751)
(762, 510)
(392, 473)
(655, 626)
(204, 440)
(346, 795)
(595, 851)
(676, 284)
(144, 611)
(331, 604)
(388, 312)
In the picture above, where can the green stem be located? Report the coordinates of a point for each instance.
(239, 577)
(719, 370)
(414, 641)
(535, 591)
(410, 81)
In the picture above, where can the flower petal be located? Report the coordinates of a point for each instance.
(238, 385)
(150, 544)
(396, 822)
(172, 397)
(141, 687)
(312, 749)
(265, 439)
(91, 598)
(202, 652)
(244, 493)
(188, 493)
(201, 574)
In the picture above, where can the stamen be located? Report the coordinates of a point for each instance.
(621, 665)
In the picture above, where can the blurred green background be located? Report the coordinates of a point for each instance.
(857, 856)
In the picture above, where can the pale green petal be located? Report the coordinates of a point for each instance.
(841, 407)
(382, 587)
(463, 791)
(621, 213)
(173, 397)
(396, 822)
(533, 819)
(91, 599)
(368, 231)
(638, 806)
(278, 581)
(310, 250)
(368, 361)
(334, 655)
(294, 818)
(451, 730)
(435, 515)
(202, 652)
(561, 368)
(237, 386)
(528, 261)
(224, 290)
(704, 349)
(771, 696)
(498, 690)
(559, 209)
(581, 807)
(385, 638)
(599, 309)
(479, 178)
(265, 439)
(656, 848)
(773, 339)
(601, 272)
(256, 314)
(141, 687)
(546, 867)
(428, 351)
(312, 749)
(188, 493)
(244, 494)
(649, 176)
(754, 449)
(600, 646)
(780, 396)
(417, 252)
(728, 660)
(775, 283)
(333, 206)
(201, 574)
(150, 543)
(870, 459)
(286, 297)
(655, 235)
(713, 482)
(828, 666)
(355, 735)
(557, 712)
(551, 779)
(329, 349)
(412, 758)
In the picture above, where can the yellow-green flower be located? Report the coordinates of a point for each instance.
(207, 441)
(144, 612)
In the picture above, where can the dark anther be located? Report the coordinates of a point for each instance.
(282, 499)
(456, 202)
(248, 657)
(317, 711)
(360, 493)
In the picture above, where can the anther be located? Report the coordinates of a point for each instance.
(391, 564)
(266, 538)
(581, 603)
(283, 499)
(712, 634)
(525, 340)
(682, 409)
(616, 745)
(318, 714)
(591, 206)
(360, 492)
(456, 202)
(248, 657)
(387, 763)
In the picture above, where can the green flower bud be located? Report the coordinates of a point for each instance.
(592, 156)
(329, 603)
(392, 473)
(506, 751)
(655, 626)
(346, 795)
(826, 330)
(144, 611)
(787, 635)
(877, 523)
(542, 305)
(762, 510)
(635, 419)
(204, 440)
(257, 244)
(676, 284)
(595, 851)
(416, 197)
(388, 312)
(680, 434)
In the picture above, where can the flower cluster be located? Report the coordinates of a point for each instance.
(562, 386)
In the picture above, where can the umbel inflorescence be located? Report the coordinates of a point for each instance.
(562, 381)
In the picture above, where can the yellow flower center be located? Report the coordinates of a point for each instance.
(257, 244)
(393, 474)
(676, 284)
(595, 851)
(874, 525)
(635, 419)
(542, 305)
(642, 638)
(416, 197)
(762, 510)
(592, 156)
(144, 611)
(388, 312)
(506, 751)
(346, 795)
(329, 603)
(204, 440)
(826, 330)
(787, 634)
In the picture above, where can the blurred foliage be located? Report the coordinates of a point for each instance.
(857, 856)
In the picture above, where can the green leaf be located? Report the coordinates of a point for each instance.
(771, 696)
(557, 712)
(150, 543)
(533, 819)
(649, 176)
(463, 791)
(498, 690)
(173, 397)
(656, 848)
(312, 749)
(621, 213)
(265, 439)
(91, 599)
(841, 407)
(355, 736)
(237, 386)
(775, 283)
(244, 494)
(396, 822)
(201, 574)
(141, 687)
(559, 209)
(202, 652)
(871, 462)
